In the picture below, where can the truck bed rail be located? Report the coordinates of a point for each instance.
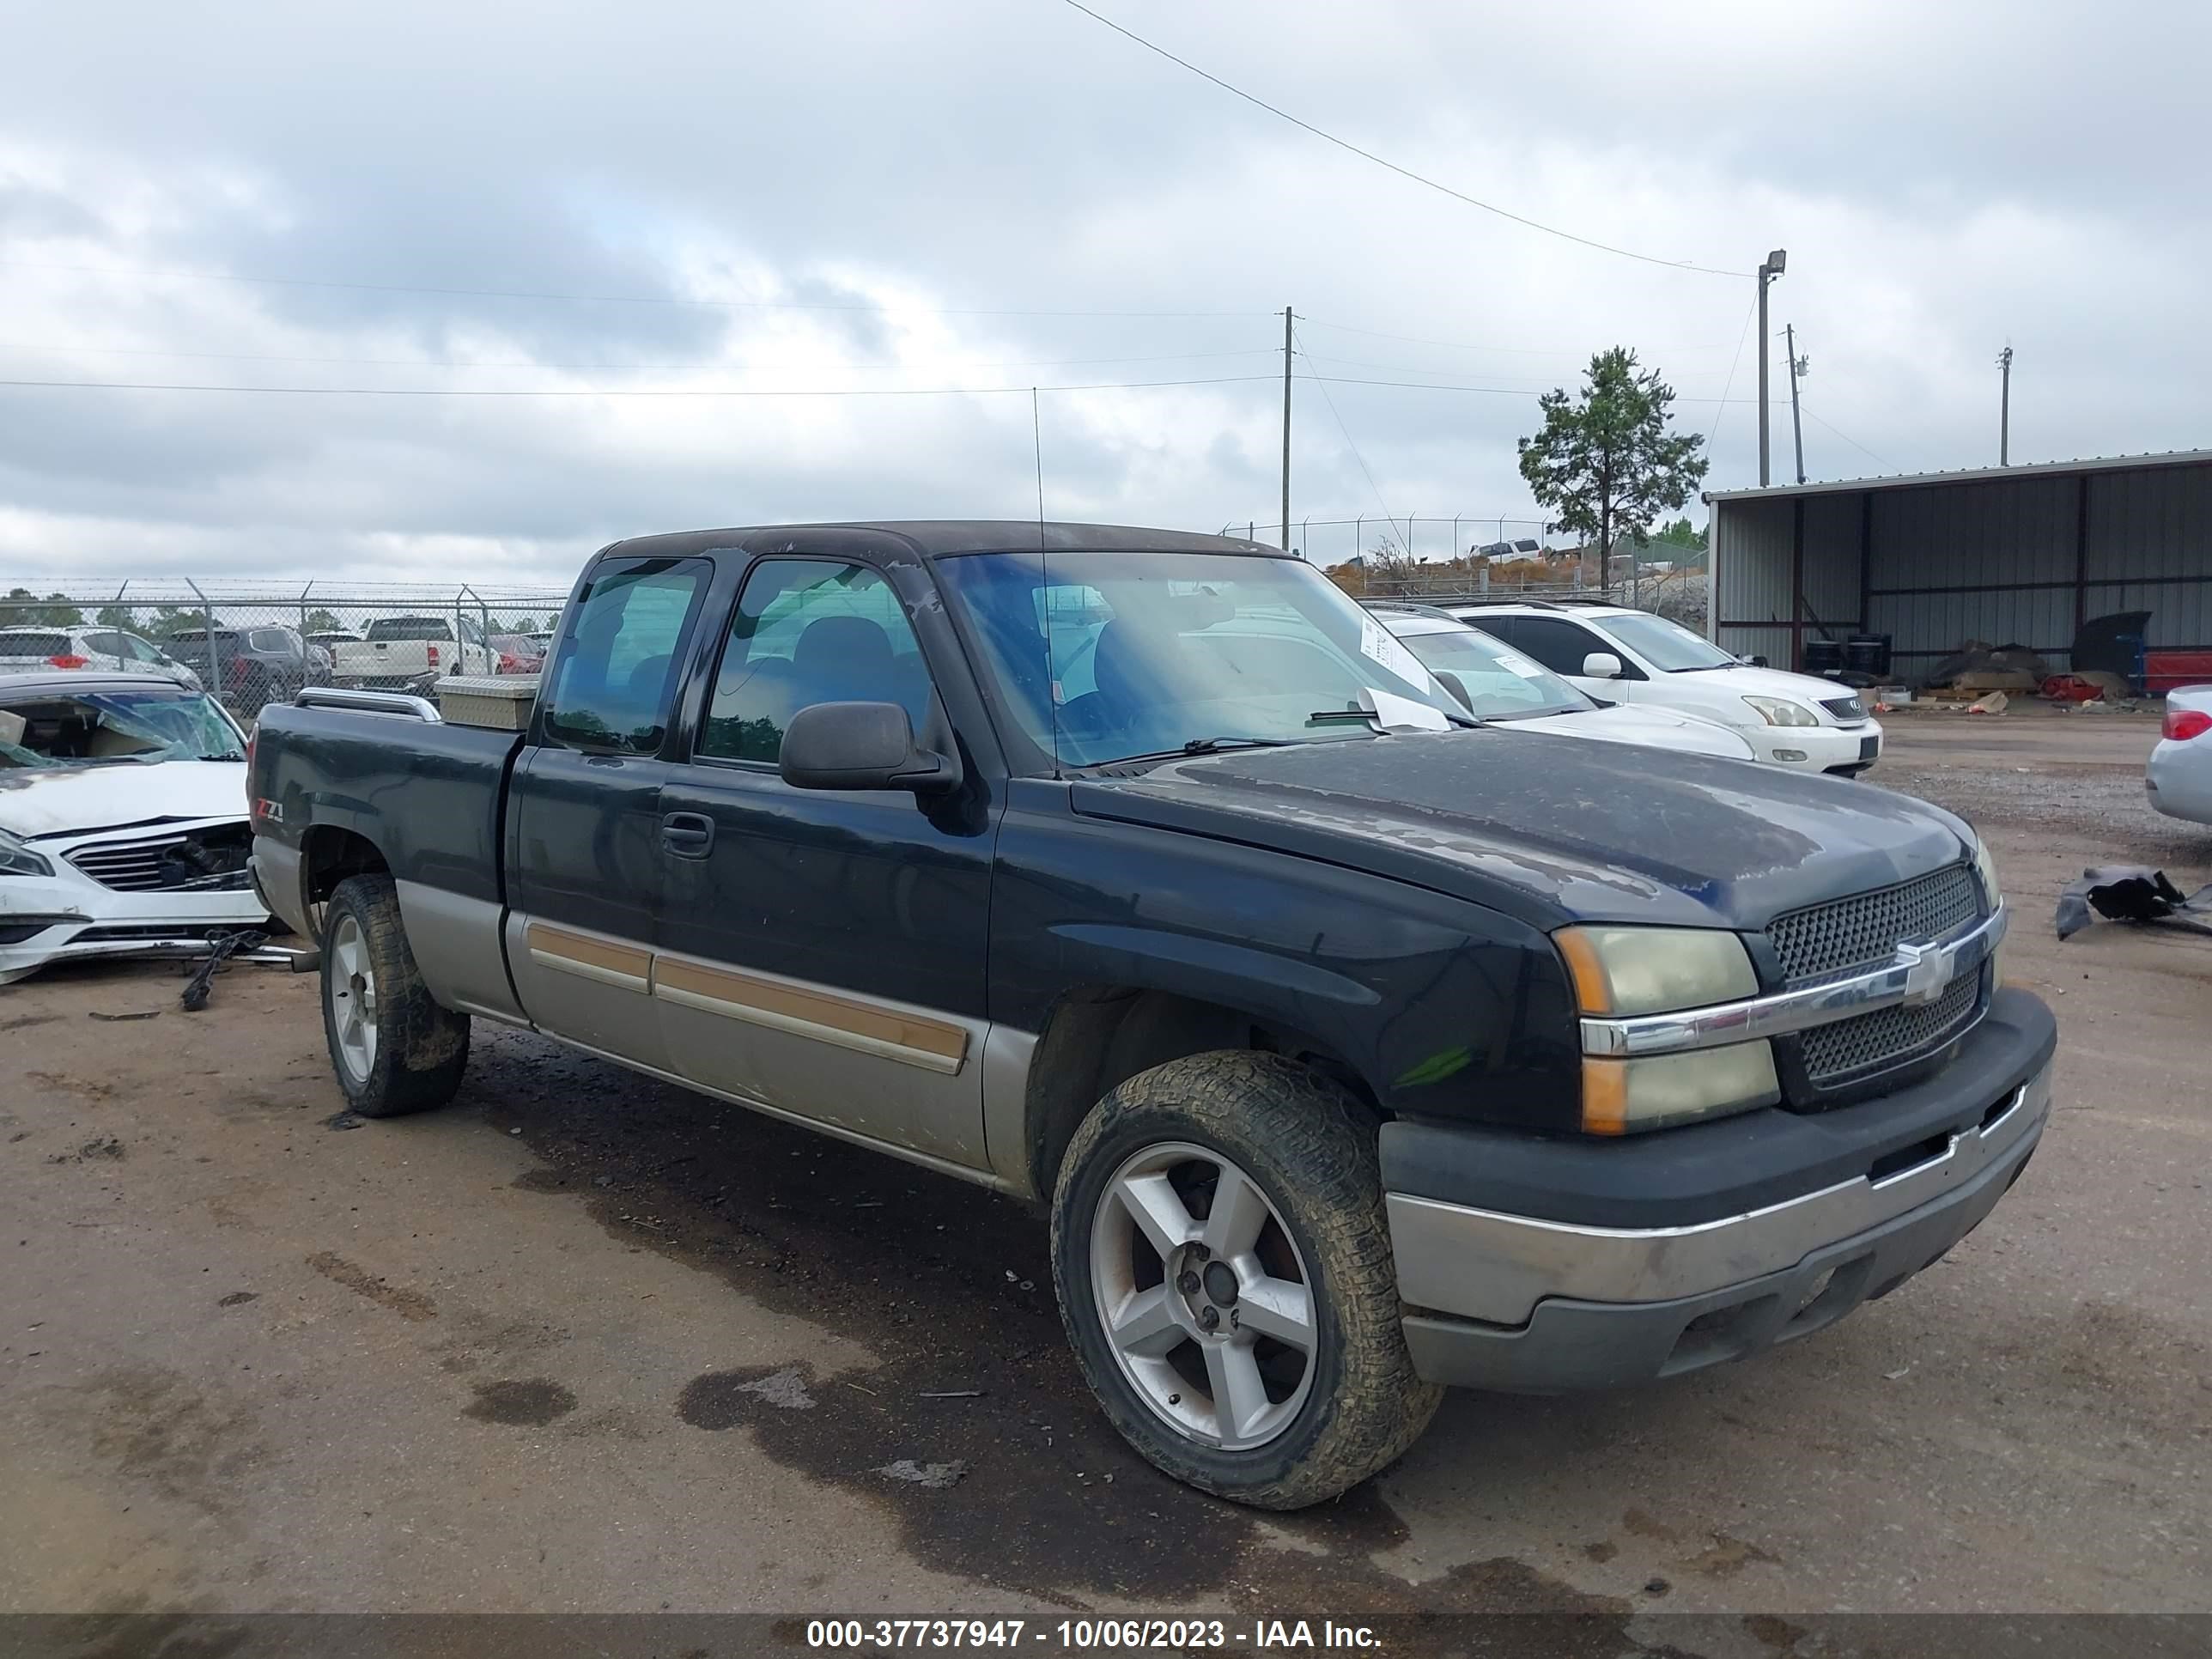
(370, 702)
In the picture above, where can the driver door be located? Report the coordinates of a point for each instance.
(821, 952)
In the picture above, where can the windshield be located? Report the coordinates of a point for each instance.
(1501, 685)
(115, 728)
(1151, 653)
(1667, 646)
(410, 627)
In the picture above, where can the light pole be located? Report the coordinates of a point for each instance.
(1768, 271)
(2004, 410)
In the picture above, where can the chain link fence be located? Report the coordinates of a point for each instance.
(1339, 541)
(254, 644)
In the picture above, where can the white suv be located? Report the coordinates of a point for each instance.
(1631, 656)
(107, 650)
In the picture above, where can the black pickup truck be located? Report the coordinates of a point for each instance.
(1356, 1049)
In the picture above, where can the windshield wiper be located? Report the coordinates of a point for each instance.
(1214, 745)
(1367, 717)
(1200, 746)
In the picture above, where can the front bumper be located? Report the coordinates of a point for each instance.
(1845, 750)
(1532, 1303)
(68, 916)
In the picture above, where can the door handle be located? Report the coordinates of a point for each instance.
(688, 835)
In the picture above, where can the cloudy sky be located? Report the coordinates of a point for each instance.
(605, 223)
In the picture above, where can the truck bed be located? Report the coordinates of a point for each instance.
(348, 769)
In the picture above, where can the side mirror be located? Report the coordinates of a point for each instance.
(1602, 666)
(859, 745)
(1457, 687)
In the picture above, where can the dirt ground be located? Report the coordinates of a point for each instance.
(585, 1343)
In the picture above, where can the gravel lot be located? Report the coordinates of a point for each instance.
(588, 1343)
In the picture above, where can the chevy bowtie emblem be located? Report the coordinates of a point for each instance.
(1927, 971)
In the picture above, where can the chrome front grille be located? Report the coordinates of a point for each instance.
(129, 867)
(1864, 931)
(1849, 710)
(1865, 1041)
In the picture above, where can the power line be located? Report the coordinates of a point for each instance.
(1323, 380)
(1348, 442)
(627, 392)
(1468, 345)
(1405, 173)
(596, 299)
(1728, 385)
(610, 368)
(1877, 460)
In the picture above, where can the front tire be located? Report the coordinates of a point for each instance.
(1225, 1273)
(394, 1049)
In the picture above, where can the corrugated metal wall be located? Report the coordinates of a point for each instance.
(1992, 560)
(2154, 524)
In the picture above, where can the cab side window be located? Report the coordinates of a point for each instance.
(809, 631)
(615, 679)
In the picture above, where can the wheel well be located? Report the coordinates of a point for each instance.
(331, 854)
(1100, 1035)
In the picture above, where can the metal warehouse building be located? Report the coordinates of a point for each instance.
(2016, 555)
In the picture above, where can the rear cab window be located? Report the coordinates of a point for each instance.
(614, 678)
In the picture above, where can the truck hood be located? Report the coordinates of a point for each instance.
(72, 800)
(1549, 829)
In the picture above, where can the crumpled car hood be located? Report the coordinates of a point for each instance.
(70, 801)
(1551, 828)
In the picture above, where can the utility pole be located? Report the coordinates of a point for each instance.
(1286, 429)
(1768, 270)
(1797, 367)
(2004, 410)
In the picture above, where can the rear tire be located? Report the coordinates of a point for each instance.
(393, 1048)
(1304, 1344)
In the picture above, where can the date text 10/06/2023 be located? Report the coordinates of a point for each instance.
(1088, 1635)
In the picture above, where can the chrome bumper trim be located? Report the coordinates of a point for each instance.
(1919, 973)
(1481, 1264)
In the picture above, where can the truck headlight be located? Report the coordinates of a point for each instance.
(1621, 1096)
(1621, 971)
(1985, 871)
(1780, 711)
(17, 860)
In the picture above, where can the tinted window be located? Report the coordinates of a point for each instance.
(273, 640)
(410, 627)
(138, 648)
(34, 644)
(1560, 645)
(108, 645)
(612, 687)
(809, 631)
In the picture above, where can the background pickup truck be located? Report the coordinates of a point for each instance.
(1356, 1047)
(411, 654)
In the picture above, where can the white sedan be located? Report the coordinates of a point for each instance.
(2179, 776)
(1500, 685)
(123, 820)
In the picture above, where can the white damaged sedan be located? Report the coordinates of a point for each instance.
(123, 820)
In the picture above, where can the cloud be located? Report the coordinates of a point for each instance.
(682, 199)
